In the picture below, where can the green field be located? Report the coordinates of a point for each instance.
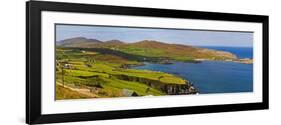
(101, 75)
(88, 68)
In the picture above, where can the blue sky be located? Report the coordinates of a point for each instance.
(187, 37)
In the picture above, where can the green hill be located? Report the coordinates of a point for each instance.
(154, 49)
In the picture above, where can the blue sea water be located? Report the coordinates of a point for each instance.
(241, 52)
(212, 76)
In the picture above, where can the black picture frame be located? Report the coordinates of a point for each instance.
(33, 61)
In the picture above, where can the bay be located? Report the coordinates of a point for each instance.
(210, 76)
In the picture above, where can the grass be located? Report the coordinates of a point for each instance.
(66, 93)
(101, 72)
(79, 73)
(143, 51)
(153, 75)
(139, 88)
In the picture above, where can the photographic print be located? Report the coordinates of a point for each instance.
(94, 61)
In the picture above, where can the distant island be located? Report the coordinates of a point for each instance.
(90, 68)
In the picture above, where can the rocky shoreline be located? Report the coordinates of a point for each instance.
(243, 60)
(170, 89)
(168, 62)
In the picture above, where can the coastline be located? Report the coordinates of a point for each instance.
(169, 62)
(243, 60)
(171, 89)
(190, 72)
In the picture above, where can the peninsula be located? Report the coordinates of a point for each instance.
(90, 68)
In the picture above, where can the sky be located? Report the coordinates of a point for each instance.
(133, 34)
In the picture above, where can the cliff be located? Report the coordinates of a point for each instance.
(169, 88)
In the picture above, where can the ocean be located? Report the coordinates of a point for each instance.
(241, 52)
(213, 76)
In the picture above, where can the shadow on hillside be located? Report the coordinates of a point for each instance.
(128, 56)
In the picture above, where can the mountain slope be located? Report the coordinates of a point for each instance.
(114, 42)
(176, 51)
(150, 48)
(78, 42)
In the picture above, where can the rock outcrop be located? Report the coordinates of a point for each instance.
(169, 88)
